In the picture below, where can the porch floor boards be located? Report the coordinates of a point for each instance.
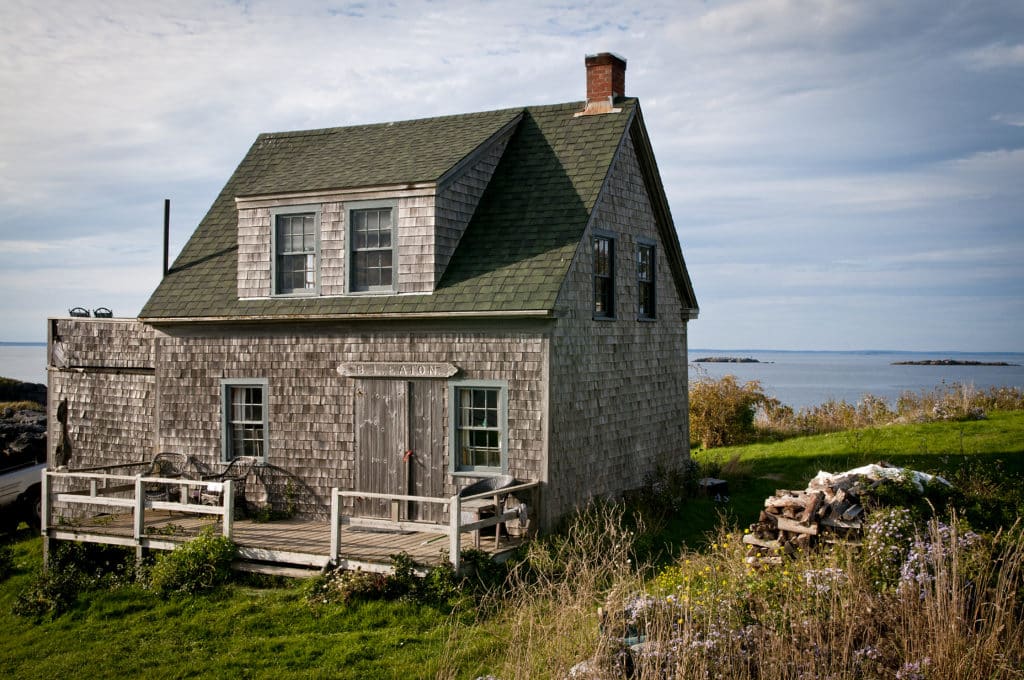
(281, 541)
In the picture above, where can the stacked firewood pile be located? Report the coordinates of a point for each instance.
(830, 509)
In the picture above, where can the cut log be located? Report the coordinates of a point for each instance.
(797, 527)
(783, 502)
(814, 501)
(760, 543)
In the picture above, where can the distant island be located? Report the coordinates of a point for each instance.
(726, 360)
(952, 362)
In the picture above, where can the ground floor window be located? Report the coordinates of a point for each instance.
(480, 426)
(244, 418)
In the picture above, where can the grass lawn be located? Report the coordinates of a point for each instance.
(977, 452)
(255, 632)
(242, 632)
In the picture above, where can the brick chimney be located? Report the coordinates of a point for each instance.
(606, 79)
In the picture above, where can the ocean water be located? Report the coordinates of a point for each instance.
(795, 378)
(809, 378)
(25, 362)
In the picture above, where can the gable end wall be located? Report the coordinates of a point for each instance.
(619, 387)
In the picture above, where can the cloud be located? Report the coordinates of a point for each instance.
(803, 144)
(996, 56)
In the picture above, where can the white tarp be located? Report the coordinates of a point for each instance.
(876, 472)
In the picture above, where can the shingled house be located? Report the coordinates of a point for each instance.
(406, 308)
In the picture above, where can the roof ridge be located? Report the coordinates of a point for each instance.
(388, 124)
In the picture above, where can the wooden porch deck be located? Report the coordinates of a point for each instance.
(291, 547)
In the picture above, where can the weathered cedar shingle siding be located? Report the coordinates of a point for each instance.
(104, 370)
(619, 387)
(311, 405)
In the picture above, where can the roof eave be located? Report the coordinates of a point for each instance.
(501, 314)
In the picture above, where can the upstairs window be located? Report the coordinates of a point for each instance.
(373, 249)
(244, 418)
(296, 251)
(645, 280)
(604, 277)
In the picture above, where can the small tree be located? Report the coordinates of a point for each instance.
(722, 411)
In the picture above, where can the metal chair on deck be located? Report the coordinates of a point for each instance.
(168, 466)
(479, 508)
(237, 471)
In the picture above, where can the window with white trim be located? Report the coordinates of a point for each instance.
(244, 418)
(296, 251)
(372, 249)
(479, 426)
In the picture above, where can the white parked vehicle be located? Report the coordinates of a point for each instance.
(20, 485)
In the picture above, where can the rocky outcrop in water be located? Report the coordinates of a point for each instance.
(726, 360)
(952, 362)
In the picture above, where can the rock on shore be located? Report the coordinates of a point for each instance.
(22, 431)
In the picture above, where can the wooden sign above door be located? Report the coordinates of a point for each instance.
(397, 369)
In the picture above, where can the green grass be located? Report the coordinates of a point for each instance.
(250, 632)
(971, 453)
(242, 632)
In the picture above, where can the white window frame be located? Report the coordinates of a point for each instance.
(227, 441)
(356, 206)
(454, 419)
(286, 211)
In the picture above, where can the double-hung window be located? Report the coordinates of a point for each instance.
(372, 251)
(296, 250)
(480, 426)
(244, 418)
(604, 277)
(645, 280)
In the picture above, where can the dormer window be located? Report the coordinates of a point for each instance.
(296, 250)
(372, 256)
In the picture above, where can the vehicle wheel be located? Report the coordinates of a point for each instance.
(33, 509)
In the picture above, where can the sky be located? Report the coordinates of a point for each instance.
(842, 175)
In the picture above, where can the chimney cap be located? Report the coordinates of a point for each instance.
(603, 58)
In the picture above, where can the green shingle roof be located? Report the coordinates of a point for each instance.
(513, 256)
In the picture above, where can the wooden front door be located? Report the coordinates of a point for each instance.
(392, 419)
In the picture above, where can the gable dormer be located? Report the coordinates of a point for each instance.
(392, 232)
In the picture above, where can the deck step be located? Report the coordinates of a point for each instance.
(274, 569)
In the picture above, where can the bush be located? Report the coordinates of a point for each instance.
(440, 586)
(722, 411)
(51, 593)
(199, 566)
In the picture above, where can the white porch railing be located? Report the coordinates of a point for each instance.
(96, 489)
(99, 489)
(453, 529)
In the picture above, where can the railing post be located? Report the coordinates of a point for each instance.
(44, 517)
(335, 525)
(139, 520)
(455, 526)
(228, 497)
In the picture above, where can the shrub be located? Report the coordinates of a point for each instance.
(52, 592)
(722, 411)
(343, 586)
(198, 566)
